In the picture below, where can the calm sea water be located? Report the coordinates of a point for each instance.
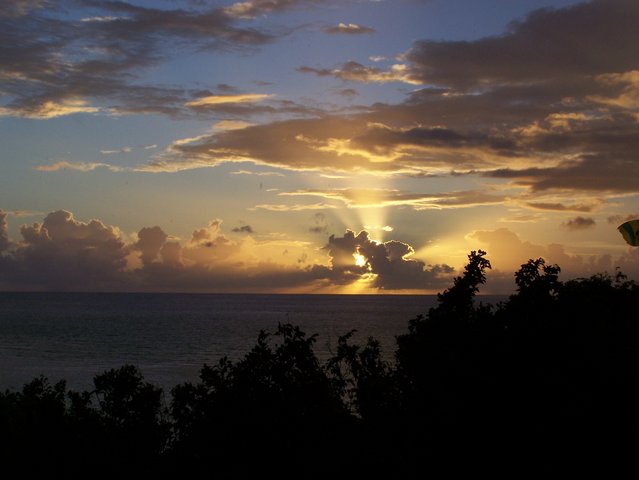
(170, 336)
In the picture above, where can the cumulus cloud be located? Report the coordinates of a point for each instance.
(388, 263)
(514, 251)
(580, 223)
(204, 235)
(63, 253)
(150, 242)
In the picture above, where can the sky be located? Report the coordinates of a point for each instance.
(314, 146)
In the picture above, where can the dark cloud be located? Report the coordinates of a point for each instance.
(320, 224)
(592, 173)
(150, 242)
(548, 45)
(62, 253)
(579, 223)
(17, 8)
(387, 261)
(243, 229)
(562, 207)
(550, 105)
(53, 65)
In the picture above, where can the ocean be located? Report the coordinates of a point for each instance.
(169, 337)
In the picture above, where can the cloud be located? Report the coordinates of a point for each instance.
(231, 125)
(294, 208)
(213, 100)
(523, 218)
(388, 263)
(63, 253)
(54, 65)
(18, 8)
(385, 228)
(350, 29)
(356, 72)
(320, 224)
(117, 151)
(49, 109)
(150, 242)
(548, 109)
(78, 166)
(348, 92)
(253, 8)
(204, 235)
(563, 207)
(548, 45)
(243, 229)
(259, 174)
(579, 223)
(509, 252)
(379, 198)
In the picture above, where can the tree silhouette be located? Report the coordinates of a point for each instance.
(546, 381)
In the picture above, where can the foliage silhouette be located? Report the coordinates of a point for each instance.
(547, 380)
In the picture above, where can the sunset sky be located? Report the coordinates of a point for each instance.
(351, 146)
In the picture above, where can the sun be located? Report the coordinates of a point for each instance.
(360, 260)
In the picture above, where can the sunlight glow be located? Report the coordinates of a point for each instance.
(360, 260)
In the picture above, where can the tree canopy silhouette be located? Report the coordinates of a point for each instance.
(549, 379)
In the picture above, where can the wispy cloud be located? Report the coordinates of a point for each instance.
(222, 99)
(116, 151)
(294, 208)
(78, 166)
(349, 29)
(380, 198)
(356, 72)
